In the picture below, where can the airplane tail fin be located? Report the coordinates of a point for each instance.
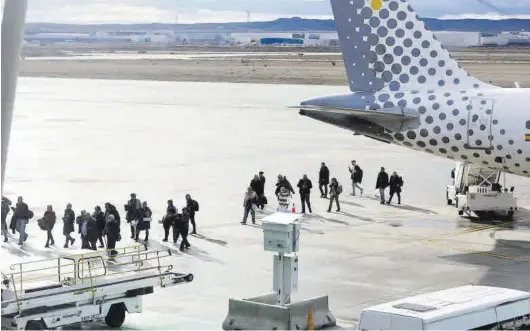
(385, 45)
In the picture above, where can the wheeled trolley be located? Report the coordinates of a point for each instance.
(83, 288)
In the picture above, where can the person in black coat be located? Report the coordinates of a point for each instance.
(283, 182)
(323, 180)
(192, 206)
(169, 218)
(92, 232)
(381, 184)
(68, 225)
(182, 227)
(49, 222)
(305, 187)
(110, 209)
(99, 216)
(257, 186)
(395, 183)
(112, 231)
(132, 216)
(262, 200)
(145, 221)
(255, 183)
(6, 203)
(170, 207)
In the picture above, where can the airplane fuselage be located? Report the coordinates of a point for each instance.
(486, 127)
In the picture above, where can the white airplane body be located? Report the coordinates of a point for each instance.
(408, 90)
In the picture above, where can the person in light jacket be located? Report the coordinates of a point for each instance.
(335, 189)
(249, 204)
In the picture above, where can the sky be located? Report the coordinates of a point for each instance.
(201, 11)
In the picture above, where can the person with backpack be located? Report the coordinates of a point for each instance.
(6, 203)
(192, 206)
(249, 204)
(381, 184)
(48, 222)
(335, 189)
(395, 183)
(357, 178)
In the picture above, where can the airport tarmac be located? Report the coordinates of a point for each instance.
(90, 141)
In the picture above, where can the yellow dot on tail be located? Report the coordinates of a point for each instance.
(376, 4)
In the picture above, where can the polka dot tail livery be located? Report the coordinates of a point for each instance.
(386, 46)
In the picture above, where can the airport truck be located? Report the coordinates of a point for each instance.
(67, 290)
(477, 190)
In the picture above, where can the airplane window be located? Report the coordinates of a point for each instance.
(528, 124)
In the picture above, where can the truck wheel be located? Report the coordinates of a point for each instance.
(510, 215)
(449, 201)
(34, 325)
(116, 315)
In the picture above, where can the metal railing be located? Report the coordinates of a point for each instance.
(84, 268)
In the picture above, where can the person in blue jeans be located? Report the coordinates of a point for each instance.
(382, 184)
(249, 203)
(22, 216)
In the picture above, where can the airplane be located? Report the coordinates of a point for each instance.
(407, 90)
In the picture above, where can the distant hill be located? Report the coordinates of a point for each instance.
(281, 25)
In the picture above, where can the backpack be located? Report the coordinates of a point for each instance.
(401, 180)
(30, 214)
(339, 189)
(195, 205)
(42, 223)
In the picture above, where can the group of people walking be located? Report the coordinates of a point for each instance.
(103, 226)
(180, 221)
(254, 195)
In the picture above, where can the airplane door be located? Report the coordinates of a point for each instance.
(479, 123)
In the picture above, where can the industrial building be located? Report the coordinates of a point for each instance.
(506, 38)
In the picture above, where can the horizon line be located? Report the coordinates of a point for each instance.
(442, 18)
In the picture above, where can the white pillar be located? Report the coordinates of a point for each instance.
(12, 35)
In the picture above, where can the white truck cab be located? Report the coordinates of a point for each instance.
(477, 190)
(461, 308)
